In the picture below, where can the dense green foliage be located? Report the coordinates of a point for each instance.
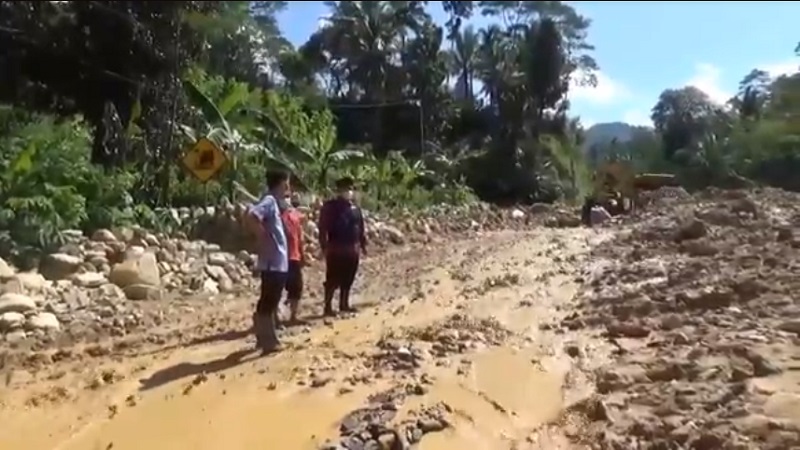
(755, 137)
(103, 97)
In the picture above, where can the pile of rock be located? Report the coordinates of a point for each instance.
(457, 334)
(460, 332)
(699, 301)
(222, 225)
(375, 426)
(89, 279)
(396, 354)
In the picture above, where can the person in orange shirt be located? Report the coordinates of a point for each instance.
(293, 226)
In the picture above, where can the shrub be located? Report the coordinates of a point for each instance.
(48, 185)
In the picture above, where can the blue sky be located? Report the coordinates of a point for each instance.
(645, 47)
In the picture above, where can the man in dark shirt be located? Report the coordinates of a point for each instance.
(342, 238)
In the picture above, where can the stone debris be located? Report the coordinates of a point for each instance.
(695, 296)
(375, 426)
(222, 225)
(698, 296)
(408, 349)
(89, 281)
(103, 284)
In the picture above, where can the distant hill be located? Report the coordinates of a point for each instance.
(603, 133)
(598, 136)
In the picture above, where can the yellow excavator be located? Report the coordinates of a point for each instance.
(617, 188)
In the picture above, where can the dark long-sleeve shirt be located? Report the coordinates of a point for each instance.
(341, 227)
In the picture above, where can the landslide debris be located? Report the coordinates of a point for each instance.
(699, 297)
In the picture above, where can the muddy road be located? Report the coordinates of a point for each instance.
(456, 344)
(679, 329)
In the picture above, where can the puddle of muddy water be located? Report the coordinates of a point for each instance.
(783, 395)
(212, 418)
(505, 396)
(514, 380)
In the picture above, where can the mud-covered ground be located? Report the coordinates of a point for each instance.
(700, 299)
(678, 329)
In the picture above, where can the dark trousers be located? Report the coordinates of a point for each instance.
(340, 272)
(294, 281)
(586, 212)
(272, 286)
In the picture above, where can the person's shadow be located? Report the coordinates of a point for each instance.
(184, 370)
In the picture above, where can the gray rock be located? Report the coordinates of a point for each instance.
(59, 266)
(6, 271)
(142, 292)
(11, 302)
(16, 336)
(90, 279)
(44, 321)
(11, 321)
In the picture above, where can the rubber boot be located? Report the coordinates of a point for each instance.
(258, 330)
(270, 342)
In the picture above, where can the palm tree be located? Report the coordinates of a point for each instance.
(464, 57)
(367, 37)
(494, 65)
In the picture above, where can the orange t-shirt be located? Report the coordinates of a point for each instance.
(293, 226)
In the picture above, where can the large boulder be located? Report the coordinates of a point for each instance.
(6, 271)
(13, 302)
(10, 321)
(30, 282)
(139, 267)
(59, 266)
(43, 321)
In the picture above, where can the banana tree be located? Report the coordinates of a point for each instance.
(564, 160)
(222, 116)
(237, 124)
(336, 160)
(392, 177)
(328, 158)
(310, 139)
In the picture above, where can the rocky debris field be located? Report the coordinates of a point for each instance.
(424, 359)
(93, 287)
(677, 330)
(404, 358)
(222, 225)
(120, 282)
(699, 297)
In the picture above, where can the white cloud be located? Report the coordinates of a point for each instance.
(781, 68)
(707, 78)
(637, 117)
(606, 92)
